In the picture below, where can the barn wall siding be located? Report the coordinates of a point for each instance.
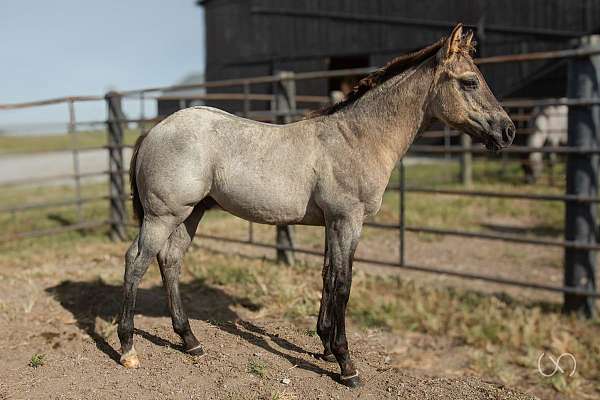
(243, 43)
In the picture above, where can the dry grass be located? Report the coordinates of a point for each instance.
(54, 142)
(505, 336)
(257, 367)
(459, 212)
(283, 396)
(53, 217)
(106, 329)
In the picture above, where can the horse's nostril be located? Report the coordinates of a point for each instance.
(508, 134)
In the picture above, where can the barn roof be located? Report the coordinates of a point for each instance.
(189, 79)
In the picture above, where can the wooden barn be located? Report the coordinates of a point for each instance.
(246, 38)
(171, 100)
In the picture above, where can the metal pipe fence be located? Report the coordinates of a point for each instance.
(283, 101)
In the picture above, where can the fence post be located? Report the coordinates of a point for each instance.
(142, 120)
(284, 105)
(402, 204)
(117, 213)
(466, 161)
(582, 179)
(75, 149)
(285, 97)
(447, 143)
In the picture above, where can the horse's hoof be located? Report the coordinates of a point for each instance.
(328, 357)
(196, 351)
(352, 381)
(130, 359)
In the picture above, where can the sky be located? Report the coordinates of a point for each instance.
(82, 47)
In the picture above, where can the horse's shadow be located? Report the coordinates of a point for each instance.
(88, 301)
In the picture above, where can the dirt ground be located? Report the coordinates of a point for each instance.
(64, 308)
(79, 367)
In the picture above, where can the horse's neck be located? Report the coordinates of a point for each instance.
(388, 117)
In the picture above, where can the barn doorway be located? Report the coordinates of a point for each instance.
(339, 87)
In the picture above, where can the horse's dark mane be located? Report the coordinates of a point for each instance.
(391, 69)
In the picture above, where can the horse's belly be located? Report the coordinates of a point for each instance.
(265, 210)
(267, 201)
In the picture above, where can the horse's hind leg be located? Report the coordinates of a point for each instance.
(169, 260)
(153, 236)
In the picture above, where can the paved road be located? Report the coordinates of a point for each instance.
(43, 165)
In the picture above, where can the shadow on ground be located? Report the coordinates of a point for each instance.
(88, 301)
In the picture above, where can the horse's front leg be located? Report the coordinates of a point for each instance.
(324, 324)
(343, 233)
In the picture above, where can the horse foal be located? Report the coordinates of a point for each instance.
(329, 170)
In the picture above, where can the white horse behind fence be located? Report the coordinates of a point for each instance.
(549, 128)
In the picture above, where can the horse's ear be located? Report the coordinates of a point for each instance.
(453, 43)
(469, 44)
(468, 41)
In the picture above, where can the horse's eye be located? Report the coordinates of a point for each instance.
(469, 83)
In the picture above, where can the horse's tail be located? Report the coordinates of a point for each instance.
(138, 210)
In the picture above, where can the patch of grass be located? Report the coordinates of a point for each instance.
(283, 396)
(225, 275)
(106, 329)
(54, 142)
(258, 368)
(37, 360)
(311, 332)
(502, 329)
(262, 281)
(376, 317)
(530, 218)
(51, 217)
(505, 335)
(472, 318)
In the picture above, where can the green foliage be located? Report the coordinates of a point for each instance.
(258, 368)
(461, 212)
(37, 360)
(311, 332)
(224, 275)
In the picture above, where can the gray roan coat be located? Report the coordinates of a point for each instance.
(330, 170)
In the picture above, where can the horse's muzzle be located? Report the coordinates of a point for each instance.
(501, 136)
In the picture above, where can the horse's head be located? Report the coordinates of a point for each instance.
(462, 99)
